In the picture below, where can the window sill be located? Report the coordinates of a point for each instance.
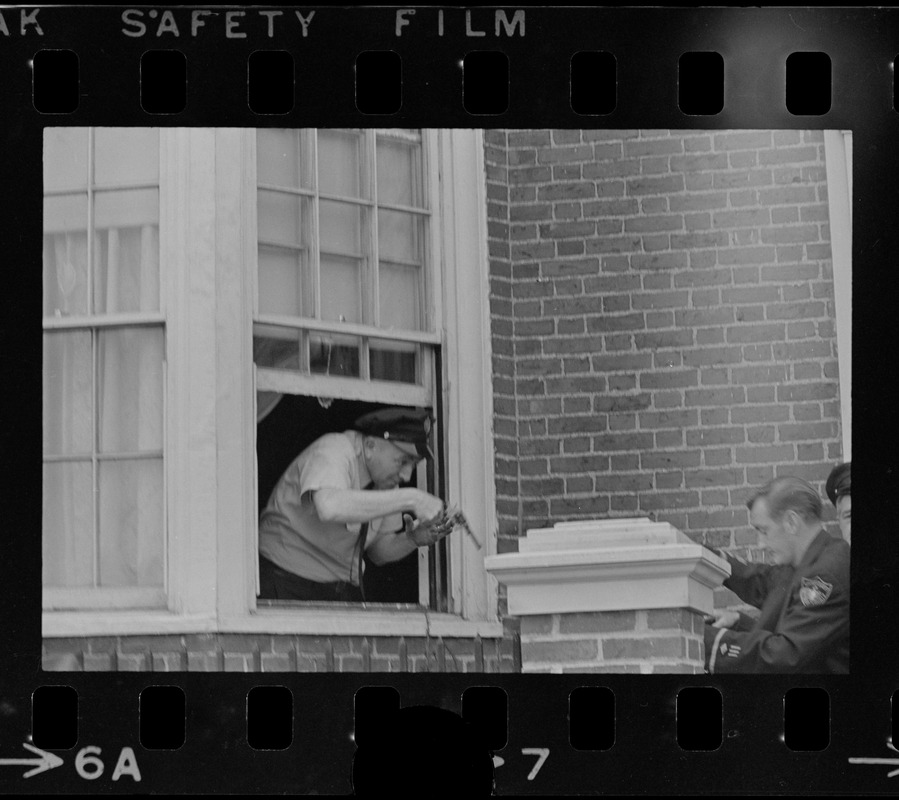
(288, 621)
(61, 624)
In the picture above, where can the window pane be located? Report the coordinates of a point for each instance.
(66, 214)
(276, 348)
(126, 268)
(341, 292)
(131, 523)
(401, 296)
(334, 355)
(68, 525)
(341, 228)
(394, 361)
(399, 173)
(341, 163)
(65, 158)
(129, 367)
(282, 158)
(67, 393)
(284, 282)
(65, 273)
(401, 237)
(126, 208)
(283, 218)
(126, 156)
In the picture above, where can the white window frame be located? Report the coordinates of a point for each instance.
(105, 597)
(838, 160)
(209, 241)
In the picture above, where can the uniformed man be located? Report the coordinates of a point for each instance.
(837, 488)
(804, 597)
(320, 519)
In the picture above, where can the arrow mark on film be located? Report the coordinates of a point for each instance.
(44, 762)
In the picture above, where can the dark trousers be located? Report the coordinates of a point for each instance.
(279, 584)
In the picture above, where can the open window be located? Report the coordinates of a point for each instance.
(292, 424)
(347, 307)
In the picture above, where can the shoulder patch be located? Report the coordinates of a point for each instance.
(730, 650)
(814, 591)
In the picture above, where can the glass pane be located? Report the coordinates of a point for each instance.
(68, 396)
(283, 218)
(284, 282)
(126, 268)
(401, 237)
(276, 348)
(282, 158)
(126, 156)
(400, 180)
(131, 523)
(65, 158)
(394, 361)
(65, 214)
(400, 296)
(129, 368)
(65, 274)
(341, 228)
(341, 290)
(340, 164)
(68, 525)
(126, 208)
(334, 355)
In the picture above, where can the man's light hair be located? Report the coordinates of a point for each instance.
(789, 494)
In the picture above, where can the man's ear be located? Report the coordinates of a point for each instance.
(792, 521)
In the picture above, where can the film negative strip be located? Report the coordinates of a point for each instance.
(448, 398)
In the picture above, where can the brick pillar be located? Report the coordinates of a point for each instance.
(645, 641)
(610, 596)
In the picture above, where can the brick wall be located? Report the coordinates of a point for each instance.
(270, 653)
(663, 324)
(645, 641)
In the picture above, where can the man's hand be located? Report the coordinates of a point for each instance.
(425, 506)
(723, 619)
(427, 532)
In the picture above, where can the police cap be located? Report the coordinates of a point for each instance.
(409, 425)
(838, 482)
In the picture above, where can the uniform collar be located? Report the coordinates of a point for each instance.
(814, 548)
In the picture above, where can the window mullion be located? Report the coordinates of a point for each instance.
(374, 309)
(95, 446)
(90, 220)
(95, 378)
(316, 239)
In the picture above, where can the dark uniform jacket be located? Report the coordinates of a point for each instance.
(804, 621)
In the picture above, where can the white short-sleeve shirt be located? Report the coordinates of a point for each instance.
(291, 534)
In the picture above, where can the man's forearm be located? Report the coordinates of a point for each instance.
(391, 547)
(356, 505)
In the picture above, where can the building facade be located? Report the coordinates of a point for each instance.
(605, 324)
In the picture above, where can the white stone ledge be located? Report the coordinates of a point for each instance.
(608, 565)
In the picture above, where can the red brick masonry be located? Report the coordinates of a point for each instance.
(663, 324)
(268, 653)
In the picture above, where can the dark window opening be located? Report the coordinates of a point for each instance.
(292, 424)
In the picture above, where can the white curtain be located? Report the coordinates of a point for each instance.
(119, 540)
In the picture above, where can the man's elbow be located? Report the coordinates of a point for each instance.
(327, 505)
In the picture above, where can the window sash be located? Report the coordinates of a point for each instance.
(368, 333)
(371, 255)
(93, 322)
